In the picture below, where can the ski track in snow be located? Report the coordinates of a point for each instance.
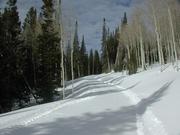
(148, 123)
(69, 102)
(37, 115)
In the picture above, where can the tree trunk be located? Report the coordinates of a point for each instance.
(173, 37)
(158, 40)
(142, 51)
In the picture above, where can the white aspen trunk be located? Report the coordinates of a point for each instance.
(162, 55)
(62, 66)
(158, 39)
(137, 56)
(172, 53)
(128, 52)
(72, 65)
(117, 56)
(142, 51)
(169, 51)
(72, 70)
(173, 37)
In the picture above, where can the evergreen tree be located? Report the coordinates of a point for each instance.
(104, 49)
(12, 81)
(97, 63)
(76, 53)
(91, 63)
(132, 63)
(30, 34)
(84, 59)
(124, 21)
(112, 44)
(121, 55)
(49, 55)
(68, 62)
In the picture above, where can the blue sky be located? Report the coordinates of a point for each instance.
(89, 14)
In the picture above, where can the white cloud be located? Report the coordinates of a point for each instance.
(89, 14)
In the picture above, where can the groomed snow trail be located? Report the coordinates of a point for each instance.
(100, 105)
(148, 123)
(67, 103)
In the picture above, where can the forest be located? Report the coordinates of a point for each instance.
(37, 57)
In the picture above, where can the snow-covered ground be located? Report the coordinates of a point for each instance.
(147, 103)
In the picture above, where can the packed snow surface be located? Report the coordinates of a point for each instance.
(146, 103)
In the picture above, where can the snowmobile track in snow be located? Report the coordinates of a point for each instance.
(148, 123)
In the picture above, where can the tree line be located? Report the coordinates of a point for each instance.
(33, 58)
(37, 58)
(151, 36)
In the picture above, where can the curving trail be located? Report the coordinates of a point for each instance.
(100, 105)
(148, 123)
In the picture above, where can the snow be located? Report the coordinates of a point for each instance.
(146, 103)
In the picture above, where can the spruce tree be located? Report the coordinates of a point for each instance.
(83, 59)
(49, 55)
(30, 34)
(121, 59)
(68, 61)
(76, 53)
(91, 63)
(12, 83)
(97, 63)
(104, 48)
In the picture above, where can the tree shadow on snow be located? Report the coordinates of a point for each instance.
(110, 122)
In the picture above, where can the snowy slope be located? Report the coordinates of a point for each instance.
(146, 103)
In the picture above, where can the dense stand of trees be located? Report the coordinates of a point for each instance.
(152, 36)
(35, 59)
(34, 62)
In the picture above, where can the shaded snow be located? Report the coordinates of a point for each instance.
(146, 103)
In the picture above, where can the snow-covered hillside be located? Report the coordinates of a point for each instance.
(146, 103)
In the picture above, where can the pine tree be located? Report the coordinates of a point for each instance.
(76, 53)
(83, 59)
(30, 34)
(68, 61)
(112, 44)
(91, 63)
(49, 55)
(97, 63)
(104, 49)
(2, 65)
(121, 55)
(12, 83)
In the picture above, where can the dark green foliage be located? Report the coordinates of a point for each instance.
(132, 63)
(97, 63)
(121, 59)
(112, 44)
(91, 63)
(114, 50)
(13, 88)
(48, 55)
(76, 53)
(83, 59)
(124, 21)
(68, 62)
(30, 51)
(104, 49)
